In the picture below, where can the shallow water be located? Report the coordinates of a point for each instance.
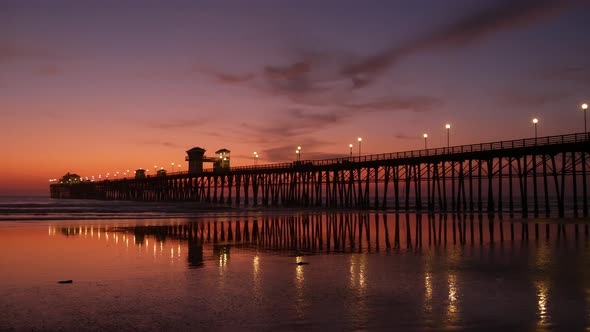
(238, 270)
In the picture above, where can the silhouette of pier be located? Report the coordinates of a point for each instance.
(531, 176)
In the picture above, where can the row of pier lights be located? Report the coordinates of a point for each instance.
(124, 174)
(535, 122)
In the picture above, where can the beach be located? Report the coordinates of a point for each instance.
(290, 270)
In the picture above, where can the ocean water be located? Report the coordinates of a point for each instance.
(157, 266)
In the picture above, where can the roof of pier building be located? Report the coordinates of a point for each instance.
(196, 149)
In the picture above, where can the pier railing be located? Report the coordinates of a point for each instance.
(440, 151)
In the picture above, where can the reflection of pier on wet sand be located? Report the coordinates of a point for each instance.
(442, 271)
(352, 232)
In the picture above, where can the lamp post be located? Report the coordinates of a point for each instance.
(350, 146)
(255, 158)
(585, 108)
(299, 152)
(535, 121)
(298, 155)
(360, 140)
(425, 144)
(448, 126)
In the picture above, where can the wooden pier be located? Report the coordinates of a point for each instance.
(541, 176)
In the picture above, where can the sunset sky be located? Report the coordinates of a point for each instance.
(92, 87)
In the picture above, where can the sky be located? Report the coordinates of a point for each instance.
(96, 87)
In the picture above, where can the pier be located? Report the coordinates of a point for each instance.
(533, 177)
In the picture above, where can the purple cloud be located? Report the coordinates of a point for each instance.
(467, 31)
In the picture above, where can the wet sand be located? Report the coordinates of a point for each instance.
(205, 274)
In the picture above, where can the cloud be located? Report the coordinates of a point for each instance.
(278, 154)
(179, 124)
(165, 144)
(232, 79)
(290, 72)
(296, 122)
(299, 84)
(406, 137)
(527, 100)
(221, 77)
(304, 79)
(571, 73)
(464, 32)
(394, 104)
(325, 88)
(282, 129)
(48, 70)
(291, 80)
(227, 78)
(11, 52)
(315, 119)
(286, 152)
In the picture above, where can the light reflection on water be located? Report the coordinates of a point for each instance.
(358, 270)
(428, 288)
(435, 271)
(542, 299)
(453, 302)
(300, 305)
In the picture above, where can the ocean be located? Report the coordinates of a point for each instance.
(182, 266)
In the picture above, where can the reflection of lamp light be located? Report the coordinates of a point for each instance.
(542, 301)
(453, 299)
